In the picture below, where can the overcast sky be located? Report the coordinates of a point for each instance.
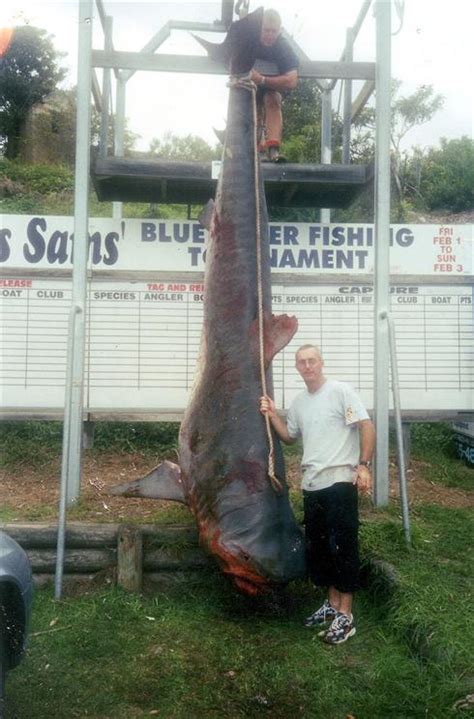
(431, 45)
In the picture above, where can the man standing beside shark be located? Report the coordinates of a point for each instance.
(273, 48)
(338, 442)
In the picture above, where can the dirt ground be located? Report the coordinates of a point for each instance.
(27, 490)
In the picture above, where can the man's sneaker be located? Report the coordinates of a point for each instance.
(323, 615)
(340, 630)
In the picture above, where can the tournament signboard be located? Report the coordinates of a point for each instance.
(145, 304)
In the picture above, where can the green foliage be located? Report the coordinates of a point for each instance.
(413, 110)
(29, 442)
(427, 437)
(407, 112)
(36, 189)
(302, 124)
(190, 148)
(433, 443)
(39, 179)
(49, 190)
(147, 437)
(29, 72)
(447, 176)
(36, 442)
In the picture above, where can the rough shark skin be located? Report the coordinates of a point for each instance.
(245, 523)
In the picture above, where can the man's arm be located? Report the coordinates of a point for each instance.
(363, 477)
(267, 406)
(288, 81)
(367, 440)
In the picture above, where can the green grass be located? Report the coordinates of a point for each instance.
(433, 443)
(199, 650)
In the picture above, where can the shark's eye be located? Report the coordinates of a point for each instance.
(245, 557)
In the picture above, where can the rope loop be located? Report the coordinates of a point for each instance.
(244, 82)
(276, 484)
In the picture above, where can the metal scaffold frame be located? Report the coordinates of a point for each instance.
(129, 62)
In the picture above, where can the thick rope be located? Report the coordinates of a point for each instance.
(248, 84)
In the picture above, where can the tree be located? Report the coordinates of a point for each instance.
(190, 147)
(407, 112)
(29, 71)
(447, 176)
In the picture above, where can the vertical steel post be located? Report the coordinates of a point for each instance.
(326, 140)
(72, 440)
(119, 132)
(62, 514)
(347, 109)
(106, 85)
(382, 250)
(402, 475)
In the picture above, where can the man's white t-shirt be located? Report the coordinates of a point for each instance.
(326, 420)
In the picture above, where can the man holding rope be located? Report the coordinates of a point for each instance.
(338, 442)
(275, 49)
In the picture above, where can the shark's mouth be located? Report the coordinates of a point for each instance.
(238, 567)
(250, 587)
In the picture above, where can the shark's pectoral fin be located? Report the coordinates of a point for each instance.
(220, 134)
(205, 216)
(278, 330)
(163, 482)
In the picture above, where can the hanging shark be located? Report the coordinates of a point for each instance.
(244, 519)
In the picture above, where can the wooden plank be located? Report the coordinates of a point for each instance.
(129, 558)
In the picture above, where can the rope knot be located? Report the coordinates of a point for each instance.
(242, 81)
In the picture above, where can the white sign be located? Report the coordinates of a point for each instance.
(143, 339)
(299, 248)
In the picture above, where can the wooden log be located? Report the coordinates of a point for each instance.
(85, 534)
(76, 561)
(36, 536)
(129, 559)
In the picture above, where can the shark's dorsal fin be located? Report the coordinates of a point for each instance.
(163, 482)
(239, 48)
(278, 330)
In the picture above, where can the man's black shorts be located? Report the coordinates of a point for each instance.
(331, 528)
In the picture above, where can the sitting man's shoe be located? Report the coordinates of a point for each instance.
(340, 630)
(273, 153)
(323, 615)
